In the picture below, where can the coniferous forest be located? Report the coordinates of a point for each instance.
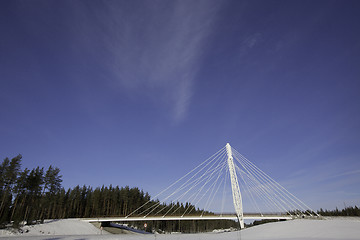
(347, 211)
(30, 196)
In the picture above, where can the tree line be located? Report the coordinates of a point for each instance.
(347, 211)
(30, 196)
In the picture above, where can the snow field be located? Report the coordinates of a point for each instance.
(56, 227)
(72, 229)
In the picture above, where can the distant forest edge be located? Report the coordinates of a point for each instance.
(35, 195)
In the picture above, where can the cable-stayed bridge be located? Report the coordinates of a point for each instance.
(226, 181)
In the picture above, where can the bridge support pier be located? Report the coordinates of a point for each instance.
(235, 187)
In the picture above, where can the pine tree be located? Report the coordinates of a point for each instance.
(52, 180)
(20, 192)
(35, 181)
(9, 172)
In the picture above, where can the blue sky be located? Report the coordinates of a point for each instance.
(139, 92)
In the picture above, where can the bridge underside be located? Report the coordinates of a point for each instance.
(172, 218)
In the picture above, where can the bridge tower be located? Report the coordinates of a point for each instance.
(235, 187)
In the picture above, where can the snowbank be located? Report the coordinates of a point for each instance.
(306, 229)
(335, 229)
(56, 227)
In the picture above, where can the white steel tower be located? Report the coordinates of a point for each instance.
(235, 187)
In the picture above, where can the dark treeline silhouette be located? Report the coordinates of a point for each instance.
(30, 196)
(347, 211)
(27, 195)
(186, 226)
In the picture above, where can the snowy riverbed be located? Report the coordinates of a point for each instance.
(72, 229)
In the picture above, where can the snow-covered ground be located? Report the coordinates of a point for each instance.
(55, 227)
(72, 229)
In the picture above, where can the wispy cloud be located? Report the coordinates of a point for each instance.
(353, 172)
(157, 48)
(251, 40)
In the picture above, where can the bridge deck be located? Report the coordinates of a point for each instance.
(169, 218)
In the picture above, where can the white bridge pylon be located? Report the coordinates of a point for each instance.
(235, 187)
(224, 182)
